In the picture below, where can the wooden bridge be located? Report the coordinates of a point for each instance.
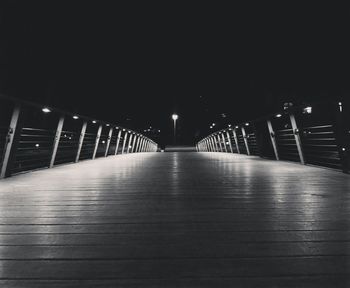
(176, 220)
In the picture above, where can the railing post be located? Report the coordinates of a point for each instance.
(56, 140)
(343, 135)
(118, 142)
(245, 138)
(13, 136)
(97, 141)
(297, 137)
(219, 142)
(141, 144)
(208, 144)
(133, 144)
(109, 140)
(124, 141)
(224, 140)
(273, 139)
(229, 141)
(138, 143)
(81, 140)
(213, 140)
(236, 140)
(129, 143)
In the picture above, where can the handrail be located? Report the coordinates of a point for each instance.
(317, 135)
(65, 138)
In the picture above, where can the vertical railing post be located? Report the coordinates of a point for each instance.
(209, 144)
(245, 138)
(56, 141)
(141, 144)
(229, 141)
(97, 141)
(133, 144)
(224, 140)
(236, 140)
(81, 140)
(109, 140)
(138, 143)
(129, 143)
(297, 137)
(13, 136)
(118, 142)
(214, 143)
(273, 139)
(219, 142)
(124, 141)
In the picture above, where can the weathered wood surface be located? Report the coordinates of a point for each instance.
(176, 220)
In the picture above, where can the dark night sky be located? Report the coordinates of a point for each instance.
(135, 64)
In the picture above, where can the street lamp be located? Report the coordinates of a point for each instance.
(174, 117)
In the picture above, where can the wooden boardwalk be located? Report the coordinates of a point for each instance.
(176, 220)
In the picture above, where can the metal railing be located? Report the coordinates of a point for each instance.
(34, 136)
(315, 135)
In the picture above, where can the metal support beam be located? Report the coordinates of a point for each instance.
(219, 142)
(138, 144)
(97, 141)
(236, 140)
(13, 132)
(56, 140)
(118, 142)
(81, 140)
(133, 143)
(297, 137)
(129, 143)
(108, 140)
(224, 141)
(124, 141)
(229, 141)
(273, 139)
(245, 138)
(213, 140)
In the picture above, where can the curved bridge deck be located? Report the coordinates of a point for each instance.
(176, 220)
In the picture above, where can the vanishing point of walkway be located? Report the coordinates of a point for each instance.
(176, 220)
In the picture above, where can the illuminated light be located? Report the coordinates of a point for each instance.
(246, 124)
(75, 117)
(213, 124)
(279, 115)
(123, 129)
(236, 127)
(159, 131)
(103, 142)
(107, 125)
(37, 145)
(340, 107)
(116, 127)
(308, 110)
(343, 149)
(175, 117)
(229, 125)
(94, 121)
(46, 110)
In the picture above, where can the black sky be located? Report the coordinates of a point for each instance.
(135, 64)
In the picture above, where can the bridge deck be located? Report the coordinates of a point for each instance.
(176, 220)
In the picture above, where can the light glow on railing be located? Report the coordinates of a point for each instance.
(75, 117)
(46, 110)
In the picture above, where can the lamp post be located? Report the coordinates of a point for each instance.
(174, 117)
